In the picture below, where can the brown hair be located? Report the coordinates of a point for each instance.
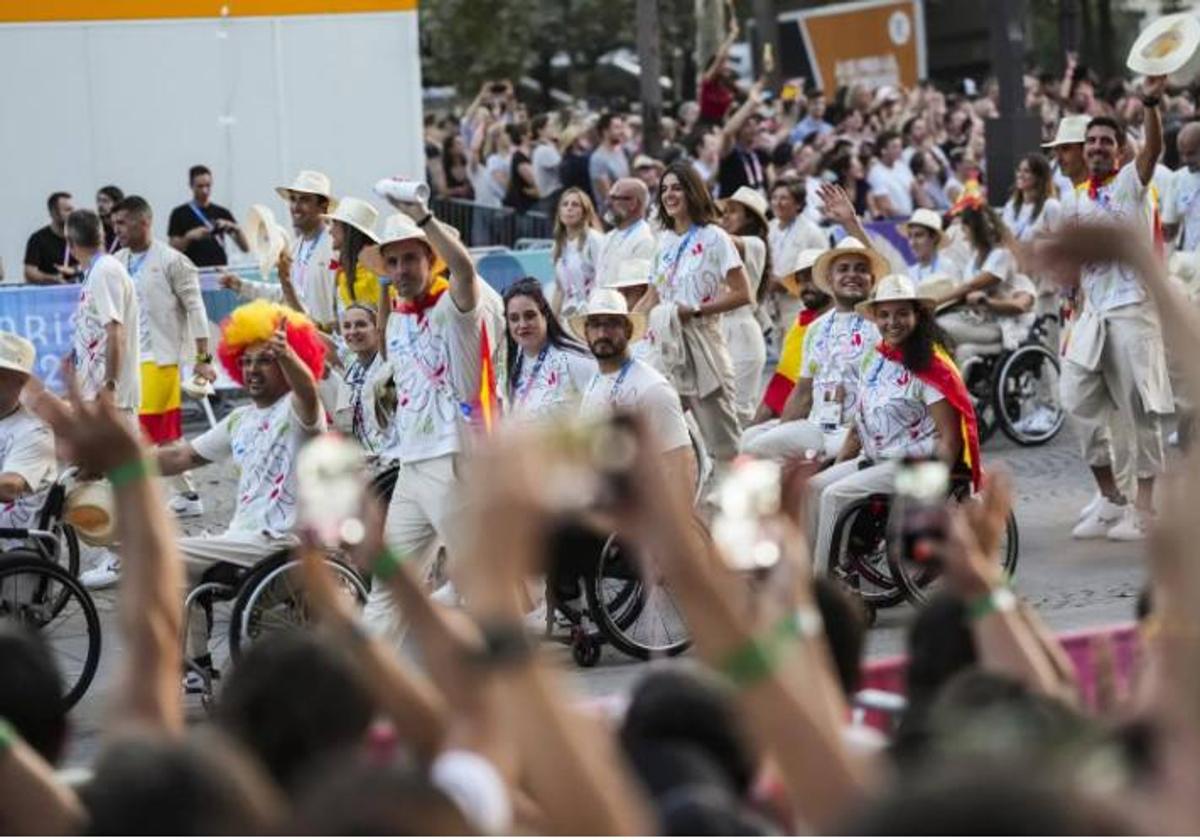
(701, 208)
(561, 233)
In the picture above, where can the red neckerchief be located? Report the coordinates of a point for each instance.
(425, 301)
(1094, 184)
(944, 376)
(807, 316)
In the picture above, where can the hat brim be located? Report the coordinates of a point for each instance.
(334, 217)
(637, 319)
(372, 256)
(286, 193)
(867, 307)
(12, 366)
(906, 225)
(761, 216)
(879, 266)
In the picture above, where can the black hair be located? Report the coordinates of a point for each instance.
(196, 171)
(797, 188)
(701, 208)
(84, 230)
(114, 193)
(985, 226)
(353, 242)
(295, 697)
(1109, 122)
(1040, 167)
(531, 288)
(538, 123)
(917, 350)
(605, 121)
(135, 205)
(886, 137)
(31, 691)
(52, 201)
(845, 630)
(757, 227)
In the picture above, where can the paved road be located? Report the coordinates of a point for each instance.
(1073, 584)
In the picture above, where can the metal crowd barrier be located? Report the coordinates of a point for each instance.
(481, 226)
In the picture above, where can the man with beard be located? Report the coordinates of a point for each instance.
(1067, 148)
(1115, 360)
(631, 237)
(815, 417)
(624, 383)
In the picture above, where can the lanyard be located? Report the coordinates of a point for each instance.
(135, 268)
(674, 264)
(612, 392)
(87, 272)
(753, 168)
(200, 215)
(523, 391)
(304, 255)
(628, 232)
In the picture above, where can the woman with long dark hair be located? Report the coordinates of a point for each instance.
(744, 218)
(698, 272)
(352, 228)
(912, 404)
(1032, 207)
(546, 369)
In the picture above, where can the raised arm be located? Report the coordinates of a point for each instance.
(840, 209)
(299, 377)
(464, 289)
(738, 118)
(1154, 87)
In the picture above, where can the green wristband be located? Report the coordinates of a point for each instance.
(386, 564)
(752, 663)
(8, 736)
(131, 471)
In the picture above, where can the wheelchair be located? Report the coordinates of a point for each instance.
(1011, 389)
(40, 590)
(864, 560)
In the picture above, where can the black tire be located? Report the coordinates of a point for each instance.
(625, 608)
(50, 519)
(918, 580)
(859, 553)
(38, 595)
(1019, 376)
(275, 570)
(979, 377)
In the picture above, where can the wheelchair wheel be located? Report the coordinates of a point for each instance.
(859, 552)
(271, 599)
(49, 601)
(977, 375)
(639, 617)
(1027, 406)
(919, 580)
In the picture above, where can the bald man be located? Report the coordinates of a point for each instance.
(1181, 209)
(631, 237)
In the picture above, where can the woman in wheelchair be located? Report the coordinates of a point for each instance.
(993, 306)
(912, 403)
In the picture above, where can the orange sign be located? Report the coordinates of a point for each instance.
(15, 11)
(873, 43)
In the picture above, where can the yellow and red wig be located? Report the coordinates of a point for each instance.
(256, 322)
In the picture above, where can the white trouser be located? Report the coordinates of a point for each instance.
(787, 309)
(972, 335)
(748, 351)
(202, 553)
(778, 441)
(426, 510)
(833, 490)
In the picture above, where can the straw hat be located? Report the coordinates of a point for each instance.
(804, 261)
(752, 200)
(309, 183)
(17, 353)
(357, 213)
(847, 247)
(397, 227)
(607, 301)
(1170, 46)
(633, 272)
(937, 286)
(91, 511)
(927, 219)
(268, 239)
(1071, 130)
(647, 162)
(893, 288)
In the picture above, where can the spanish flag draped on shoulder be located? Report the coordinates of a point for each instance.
(791, 359)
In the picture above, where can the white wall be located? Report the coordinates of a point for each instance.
(135, 103)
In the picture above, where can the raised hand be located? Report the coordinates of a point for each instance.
(837, 203)
(94, 434)
(1154, 86)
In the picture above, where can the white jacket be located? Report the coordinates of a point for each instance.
(168, 287)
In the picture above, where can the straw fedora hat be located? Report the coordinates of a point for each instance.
(848, 247)
(752, 200)
(1071, 130)
(891, 289)
(91, 511)
(308, 182)
(925, 218)
(937, 286)
(805, 260)
(1169, 46)
(607, 301)
(633, 272)
(18, 354)
(357, 213)
(397, 227)
(268, 239)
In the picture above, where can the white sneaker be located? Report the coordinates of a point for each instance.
(1096, 525)
(446, 595)
(1131, 527)
(1173, 439)
(104, 574)
(186, 505)
(536, 620)
(1038, 422)
(1090, 508)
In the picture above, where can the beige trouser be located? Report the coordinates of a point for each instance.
(833, 490)
(972, 337)
(777, 440)
(718, 422)
(202, 553)
(748, 352)
(1106, 404)
(426, 511)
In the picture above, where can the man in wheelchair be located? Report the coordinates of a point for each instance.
(27, 463)
(912, 403)
(276, 354)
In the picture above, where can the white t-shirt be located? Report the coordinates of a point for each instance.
(1024, 226)
(998, 263)
(263, 443)
(893, 416)
(550, 383)
(786, 243)
(940, 264)
(834, 345)
(690, 269)
(489, 191)
(545, 162)
(635, 242)
(639, 387)
(435, 357)
(356, 412)
(1124, 201)
(27, 450)
(575, 270)
(1180, 207)
(895, 182)
(107, 295)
